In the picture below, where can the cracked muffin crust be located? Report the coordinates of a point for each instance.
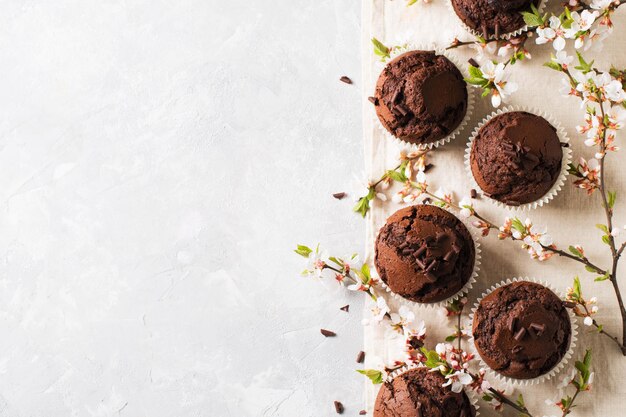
(421, 97)
(419, 393)
(424, 254)
(516, 157)
(493, 17)
(522, 330)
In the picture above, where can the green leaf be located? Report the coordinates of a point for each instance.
(362, 206)
(590, 269)
(576, 289)
(375, 376)
(412, 2)
(518, 225)
(606, 239)
(397, 175)
(603, 277)
(475, 72)
(575, 251)
(380, 49)
(602, 227)
(303, 250)
(611, 200)
(553, 65)
(584, 66)
(532, 20)
(366, 277)
(476, 81)
(520, 401)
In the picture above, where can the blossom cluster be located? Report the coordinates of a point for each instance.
(580, 306)
(534, 239)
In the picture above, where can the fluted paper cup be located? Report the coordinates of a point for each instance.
(565, 161)
(470, 98)
(542, 378)
(459, 294)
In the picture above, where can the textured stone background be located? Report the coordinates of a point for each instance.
(160, 159)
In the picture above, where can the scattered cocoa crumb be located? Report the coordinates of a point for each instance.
(338, 407)
(473, 62)
(428, 167)
(473, 193)
(362, 412)
(346, 80)
(360, 357)
(339, 196)
(345, 308)
(327, 333)
(373, 100)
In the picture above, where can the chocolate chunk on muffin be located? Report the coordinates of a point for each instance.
(516, 157)
(421, 97)
(492, 18)
(418, 392)
(522, 330)
(424, 254)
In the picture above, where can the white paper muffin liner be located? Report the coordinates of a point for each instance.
(459, 294)
(470, 394)
(470, 98)
(514, 382)
(566, 159)
(503, 36)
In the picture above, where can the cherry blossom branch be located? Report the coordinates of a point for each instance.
(490, 225)
(398, 173)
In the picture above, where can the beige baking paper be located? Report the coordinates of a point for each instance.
(570, 217)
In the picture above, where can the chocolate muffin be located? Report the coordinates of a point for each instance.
(418, 392)
(424, 254)
(492, 18)
(522, 330)
(421, 97)
(516, 157)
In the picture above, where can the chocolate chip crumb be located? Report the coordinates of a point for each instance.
(338, 407)
(473, 193)
(360, 357)
(327, 333)
(362, 412)
(473, 62)
(520, 334)
(339, 196)
(428, 167)
(345, 308)
(373, 100)
(346, 80)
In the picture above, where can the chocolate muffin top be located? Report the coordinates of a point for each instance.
(516, 157)
(418, 392)
(493, 17)
(421, 97)
(424, 254)
(521, 330)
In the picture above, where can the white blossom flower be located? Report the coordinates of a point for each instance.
(579, 28)
(315, 263)
(553, 33)
(360, 188)
(564, 60)
(588, 321)
(497, 75)
(600, 4)
(467, 207)
(416, 330)
(458, 380)
(381, 196)
(379, 310)
(615, 232)
(403, 317)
